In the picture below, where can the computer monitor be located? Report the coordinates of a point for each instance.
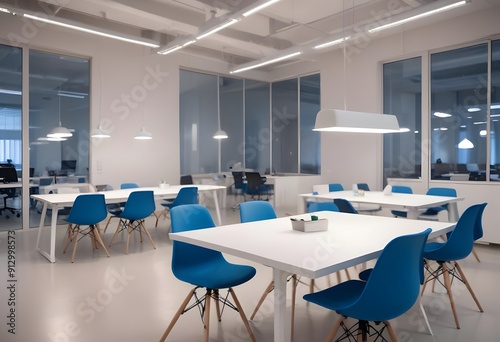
(68, 166)
(8, 175)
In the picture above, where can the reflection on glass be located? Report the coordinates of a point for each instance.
(257, 126)
(58, 96)
(310, 141)
(459, 87)
(198, 122)
(402, 97)
(285, 126)
(10, 136)
(231, 118)
(495, 112)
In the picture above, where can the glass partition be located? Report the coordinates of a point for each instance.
(310, 141)
(257, 126)
(494, 112)
(231, 121)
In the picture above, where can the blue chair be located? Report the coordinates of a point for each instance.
(432, 213)
(115, 209)
(88, 210)
(401, 189)
(139, 205)
(344, 206)
(204, 268)
(458, 246)
(335, 187)
(386, 295)
(186, 195)
(322, 206)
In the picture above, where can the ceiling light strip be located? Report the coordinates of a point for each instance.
(419, 16)
(259, 7)
(218, 28)
(266, 62)
(86, 30)
(331, 43)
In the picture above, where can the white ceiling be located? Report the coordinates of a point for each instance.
(278, 28)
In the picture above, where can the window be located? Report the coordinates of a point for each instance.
(257, 125)
(494, 112)
(458, 115)
(310, 141)
(403, 98)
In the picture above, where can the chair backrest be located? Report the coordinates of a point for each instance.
(322, 206)
(344, 206)
(394, 283)
(184, 255)
(45, 181)
(88, 209)
(461, 240)
(402, 189)
(256, 211)
(186, 180)
(238, 177)
(335, 187)
(254, 181)
(139, 205)
(129, 185)
(186, 195)
(478, 225)
(363, 186)
(449, 192)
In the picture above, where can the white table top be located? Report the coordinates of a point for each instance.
(122, 194)
(350, 240)
(394, 200)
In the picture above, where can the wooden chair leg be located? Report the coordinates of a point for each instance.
(466, 282)
(74, 247)
(475, 255)
(391, 332)
(97, 236)
(129, 232)
(447, 284)
(335, 328)
(148, 235)
(242, 314)
(70, 238)
(217, 305)
(178, 314)
(115, 234)
(268, 290)
(206, 315)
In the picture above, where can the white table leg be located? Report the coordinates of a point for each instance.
(412, 213)
(301, 204)
(41, 225)
(217, 210)
(51, 256)
(453, 212)
(281, 319)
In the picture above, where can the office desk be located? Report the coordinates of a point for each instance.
(57, 201)
(412, 203)
(350, 240)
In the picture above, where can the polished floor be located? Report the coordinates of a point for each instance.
(132, 298)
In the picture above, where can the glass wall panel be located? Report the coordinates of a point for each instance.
(257, 126)
(58, 96)
(495, 112)
(285, 126)
(231, 121)
(198, 122)
(10, 136)
(402, 97)
(310, 141)
(459, 86)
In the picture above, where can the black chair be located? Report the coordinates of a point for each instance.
(8, 174)
(187, 180)
(240, 185)
(256, 186)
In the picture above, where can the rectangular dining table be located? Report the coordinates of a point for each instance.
(57, 201)
(349, 241)
(412, 203)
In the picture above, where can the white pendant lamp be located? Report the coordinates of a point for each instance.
(220, 134)
(465, 144)
(337, 120)
(143, 135)
(60, 131)
(99, 132)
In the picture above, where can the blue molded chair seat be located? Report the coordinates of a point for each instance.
(366, 208)
(431, 213)
(344, 206)
(322, 206)
(140, 204)
(204, 268)
(402, 189)
(186, 195)
(458, 246)
(88, 210)
(385, 295)
(115, 209)
(335, 187)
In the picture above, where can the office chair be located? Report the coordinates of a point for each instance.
(344, 206)
(446, 254)
(87, 210)
(186, 180)
(139, 205)
(204, 268)
(256, 187)
(240, 185)
(115, 209)
(8, 174)
(401, 189)
(187, 195)
(384, 296)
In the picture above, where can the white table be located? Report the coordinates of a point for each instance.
(350, 240)
(412, 203)
(57, 201)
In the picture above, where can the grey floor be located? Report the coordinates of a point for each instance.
(131, 298)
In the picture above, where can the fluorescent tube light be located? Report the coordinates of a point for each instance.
(218, 28)
(333, 42)
(86, 30)
(474, 109)
(266, 62)
(419, 16)
(72, 94)
(5, 10)
(336, 120)
(258, 8)
(441, 115)
(169, 50)
(10, 92)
